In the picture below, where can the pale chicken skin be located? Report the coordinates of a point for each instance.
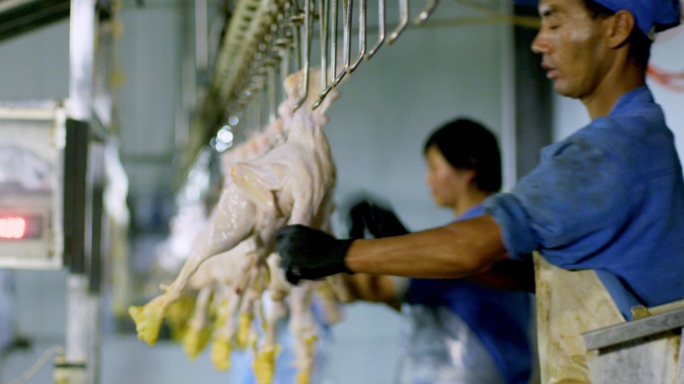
(290, 184)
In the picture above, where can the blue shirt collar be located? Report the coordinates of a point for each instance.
(475, 211)
(641, 95)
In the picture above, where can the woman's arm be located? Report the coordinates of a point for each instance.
(372, 288)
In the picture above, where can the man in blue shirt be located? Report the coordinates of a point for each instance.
(609, 199)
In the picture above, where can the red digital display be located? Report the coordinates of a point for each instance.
(20, 228)
(12, 227)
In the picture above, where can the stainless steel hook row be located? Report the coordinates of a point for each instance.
(255, 73)
(268, 40)
(331, 8)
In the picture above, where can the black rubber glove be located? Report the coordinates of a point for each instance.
(380, 221)
(310, 254)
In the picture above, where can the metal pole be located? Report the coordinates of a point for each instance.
(81, 57)
(82, 27)
(201, 35)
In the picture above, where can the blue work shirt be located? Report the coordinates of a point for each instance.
(499, 318)
(609, 198)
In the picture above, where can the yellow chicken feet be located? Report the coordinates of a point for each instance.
(244, 327)
(264, 364)
(220, 353)
(178, 315)
(195, 340)
(304, 374)
(148, 320)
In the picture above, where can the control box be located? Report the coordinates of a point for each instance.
(32, 142)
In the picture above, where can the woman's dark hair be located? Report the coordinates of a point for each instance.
(640, 44)
(466, 144)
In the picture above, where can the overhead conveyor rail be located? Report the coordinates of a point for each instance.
(267, 40)
(263, 41)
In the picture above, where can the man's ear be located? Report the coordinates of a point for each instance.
(620, 27)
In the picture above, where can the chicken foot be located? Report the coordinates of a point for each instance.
(230, 224)
(197, 335)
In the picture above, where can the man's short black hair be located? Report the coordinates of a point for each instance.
(467, 144)
(640, 44)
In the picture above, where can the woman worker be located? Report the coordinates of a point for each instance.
(454, 331)
(604, 209)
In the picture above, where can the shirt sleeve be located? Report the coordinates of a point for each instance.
(569, 207)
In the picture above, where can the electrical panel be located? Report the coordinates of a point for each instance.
(32, 142)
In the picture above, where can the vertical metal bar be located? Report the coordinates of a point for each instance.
(334, 7)
(188, 99)
(403, 21)
(201, 35)
(75, 194)
(81, 58)
(265, 99)
(507, 99)
(96, 219)
(285, 63)
(77, 329)
(272, 93)
(333, 42)
(256, 106)
(323, 28)
(381, 29)
(259, 104)
(307, 50)
(297, 22)
(276, 55)
(362, 38)
(347, 6)
(247, 118)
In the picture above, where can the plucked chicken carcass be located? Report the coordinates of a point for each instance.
(217, 275)
(290, 184)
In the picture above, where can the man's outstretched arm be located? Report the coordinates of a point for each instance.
(460, 249)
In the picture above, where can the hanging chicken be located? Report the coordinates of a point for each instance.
(290, 184)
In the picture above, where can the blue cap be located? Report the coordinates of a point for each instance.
(651, 15)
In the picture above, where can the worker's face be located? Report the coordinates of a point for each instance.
(446, 182)
(570, 42)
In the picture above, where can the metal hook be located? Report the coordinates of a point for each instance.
(308, 32)
(381, 29)
(260, 104)
(284, 48)
(334, 7)
(335, 78)
(362, 36)
(323, 28)
(347, 6)
(272, 92)
(425, 13)
(296, 26)
(283, 44)
(403, 21)
(333, 42)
